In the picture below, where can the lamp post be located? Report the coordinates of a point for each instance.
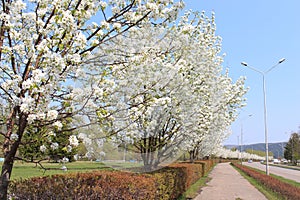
(239, 147)
(264, 73)
(242, 137)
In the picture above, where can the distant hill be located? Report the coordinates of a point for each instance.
(276, 148)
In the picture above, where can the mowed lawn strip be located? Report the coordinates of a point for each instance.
(291, 182)
(281, 187)
(269, 194)
(23, 170)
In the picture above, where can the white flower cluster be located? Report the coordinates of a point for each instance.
(85, 139)
(73, 140)
(14, 136)
(43, 148)
(58, 125)
(54, 146)
(52, 115)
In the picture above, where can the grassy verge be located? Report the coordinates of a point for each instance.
(269, 194)
(291, 182)
(286, 166)
(23, 170)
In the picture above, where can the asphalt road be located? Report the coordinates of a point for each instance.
(285, 173)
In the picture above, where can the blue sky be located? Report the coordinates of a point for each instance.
(261, 33)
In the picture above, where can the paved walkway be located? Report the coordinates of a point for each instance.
(228, 184)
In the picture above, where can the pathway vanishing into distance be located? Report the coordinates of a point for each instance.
(291, 174)
(227, 184)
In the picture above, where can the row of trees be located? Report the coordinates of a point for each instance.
(236, 154)
(130, 71)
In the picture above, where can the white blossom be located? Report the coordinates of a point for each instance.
(40, 116)
(69, 148)
(27, 84)
(105, 25)
(103, 4)
(31, 118)
(151, 6)
(27, 104)
(43, 148)
(14, 136)
(52, 115)
(85, 139)
(117, 26)
(115, 9)
(58, 125)
(54, 146)
(73, 140)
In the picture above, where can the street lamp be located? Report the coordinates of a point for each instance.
(242, 137)
(264, 73)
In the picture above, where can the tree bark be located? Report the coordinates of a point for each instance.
(10, 149)
(5, 176)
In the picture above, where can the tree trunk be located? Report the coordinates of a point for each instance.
(7, 169)
(5, 176)
(192, 156)
(10, 149)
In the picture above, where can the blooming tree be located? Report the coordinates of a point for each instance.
(46, 48)
(224, 98)
(170, 90)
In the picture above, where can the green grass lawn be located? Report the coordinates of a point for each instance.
(23, 170)
(125, 166)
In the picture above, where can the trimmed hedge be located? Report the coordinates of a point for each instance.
(167, 183)
(174, 180)
(96, 185)
(282, 188)
(206, 165)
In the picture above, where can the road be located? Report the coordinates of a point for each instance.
(285, 173)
